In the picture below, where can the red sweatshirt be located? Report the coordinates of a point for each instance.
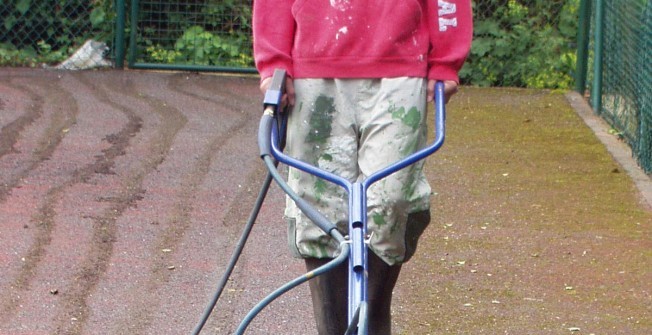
(362, 38)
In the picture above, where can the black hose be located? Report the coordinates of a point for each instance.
(236, 254)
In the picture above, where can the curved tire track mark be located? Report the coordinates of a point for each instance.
(43, 219)
(10, 134)
(178, 83)
(179, 219)
(235, 213)
(104, 226)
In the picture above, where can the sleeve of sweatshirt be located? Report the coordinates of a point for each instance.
(451, 32)
(273, 36)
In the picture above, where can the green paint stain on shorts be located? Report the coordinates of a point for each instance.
(317, 248)
(320, 188)
(378, 219)
(397, 113)
(410, 186)
(321, 120)
(410, 147)
(411, 118)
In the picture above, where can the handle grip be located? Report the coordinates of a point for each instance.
(275, 92)
(272, 108)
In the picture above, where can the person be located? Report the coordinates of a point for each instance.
(359, 75)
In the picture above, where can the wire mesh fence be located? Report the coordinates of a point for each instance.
(626, 94)
(619, 70)
(200, 33)
(36, 32)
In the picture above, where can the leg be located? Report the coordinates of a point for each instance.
(382, 279)
(329, 294)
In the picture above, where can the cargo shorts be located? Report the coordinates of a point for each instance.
(352, 128)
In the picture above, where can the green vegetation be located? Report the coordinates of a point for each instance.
(47, 31)
(214, 33)
(523, 43)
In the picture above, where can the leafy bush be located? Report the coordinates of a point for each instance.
(523, 44)
(214, 33)
(201, 47)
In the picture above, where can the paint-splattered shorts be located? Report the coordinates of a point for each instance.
(354, 127)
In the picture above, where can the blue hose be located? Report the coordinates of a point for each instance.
(342, 257)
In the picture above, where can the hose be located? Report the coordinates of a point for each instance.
(343, 256)
(236, 254)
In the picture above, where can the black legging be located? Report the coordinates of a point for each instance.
(329, 291)
(329, 296)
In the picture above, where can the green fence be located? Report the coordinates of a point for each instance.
(206, 35)
(617, 60)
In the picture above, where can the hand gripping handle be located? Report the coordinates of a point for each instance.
(272, 107)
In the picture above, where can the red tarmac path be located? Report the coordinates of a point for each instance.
(123, 193)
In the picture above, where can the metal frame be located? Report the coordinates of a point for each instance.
(132, 54)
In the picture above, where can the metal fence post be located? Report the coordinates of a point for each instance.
(582, 45)
(133, 33)
(120, 34)
(644, 96)
(596, 93)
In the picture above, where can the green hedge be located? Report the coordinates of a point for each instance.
(523, 44)
(199, 32)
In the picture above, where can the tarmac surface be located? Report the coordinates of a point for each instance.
(123, 193)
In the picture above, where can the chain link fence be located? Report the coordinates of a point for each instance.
(619, 70)
(199, 34)
(626, 94)
(49, 32)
